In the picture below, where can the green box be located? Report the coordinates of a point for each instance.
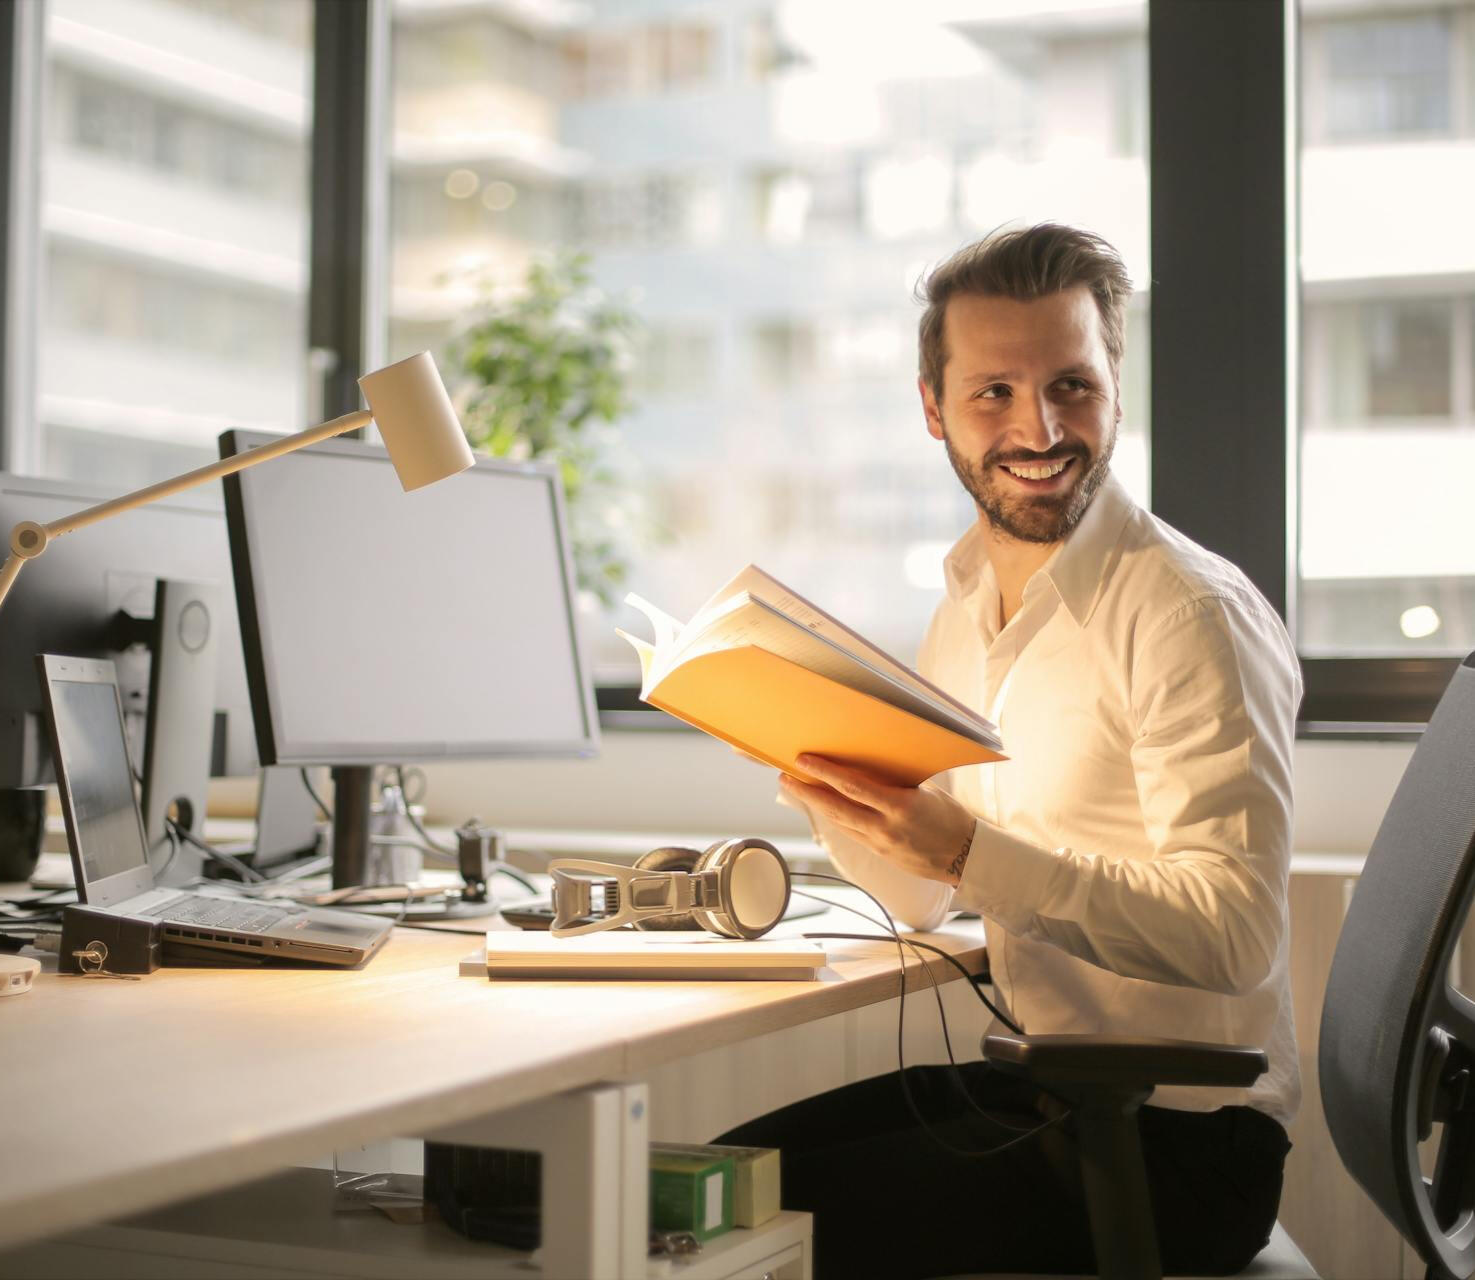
(691, 1193)
(757, 1195)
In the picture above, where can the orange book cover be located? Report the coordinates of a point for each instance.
(744, 670)
(777, 710)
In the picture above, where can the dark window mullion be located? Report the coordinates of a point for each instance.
(340, 111)
(1220, 301)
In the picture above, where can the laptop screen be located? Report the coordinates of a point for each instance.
(89, 731)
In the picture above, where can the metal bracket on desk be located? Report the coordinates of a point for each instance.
(595, 1145)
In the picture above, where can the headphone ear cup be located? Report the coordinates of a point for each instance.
(755, 894)
(669, 858)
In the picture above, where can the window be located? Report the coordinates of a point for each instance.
(1378, 75)
(173, 225)
(1387, 436)
(663, 57)
(786, 179)
(795, 205)
(763, 187)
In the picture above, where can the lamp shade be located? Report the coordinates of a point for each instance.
(415, 417)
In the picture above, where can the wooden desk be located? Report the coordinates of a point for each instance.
(123, 1096)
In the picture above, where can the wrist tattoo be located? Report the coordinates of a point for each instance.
(955, 870)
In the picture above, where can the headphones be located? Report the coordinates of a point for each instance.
(738, 888)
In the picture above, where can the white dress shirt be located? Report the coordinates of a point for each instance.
(1131, 856)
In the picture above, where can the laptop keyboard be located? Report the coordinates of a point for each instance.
(221, 913)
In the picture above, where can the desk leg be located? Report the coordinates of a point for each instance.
(595, 1145)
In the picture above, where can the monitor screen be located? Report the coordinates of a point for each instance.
(381, 626)
(89, 734)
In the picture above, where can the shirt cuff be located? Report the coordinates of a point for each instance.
(1006, 878)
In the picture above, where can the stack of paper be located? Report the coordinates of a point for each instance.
(628, 953)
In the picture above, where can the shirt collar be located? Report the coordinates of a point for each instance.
(1077, 570)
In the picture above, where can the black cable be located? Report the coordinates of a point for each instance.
(173, 850)
(399, 774)
(917, 948)
(906, 1087)
(973, 978)
(947, 1040)
(316, 799)
(436, 847)
(515, 875)
(419, 775)
(951, 959)
(225, 859)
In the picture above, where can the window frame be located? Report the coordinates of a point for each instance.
(1234, 164)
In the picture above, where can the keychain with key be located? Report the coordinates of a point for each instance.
(92, 962)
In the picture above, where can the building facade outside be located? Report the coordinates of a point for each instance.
(764, 187)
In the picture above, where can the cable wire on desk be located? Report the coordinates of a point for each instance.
(312, 791)
(249, 874)
(878, 937)
(399, 774)
(434, 847)
(906, 1089)
(917, 948)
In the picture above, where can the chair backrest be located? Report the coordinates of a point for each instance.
(1394, 1033)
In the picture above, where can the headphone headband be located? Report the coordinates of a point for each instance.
(738, 888)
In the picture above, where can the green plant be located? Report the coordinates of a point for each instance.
(545, 375)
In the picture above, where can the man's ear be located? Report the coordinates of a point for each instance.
(930, 409)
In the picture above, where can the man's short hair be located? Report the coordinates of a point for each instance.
(1032, 262)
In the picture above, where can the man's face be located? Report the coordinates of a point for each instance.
(1029, 409)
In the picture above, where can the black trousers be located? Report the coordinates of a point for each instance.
(890, 1202)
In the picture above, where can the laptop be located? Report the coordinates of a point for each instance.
(84, 716)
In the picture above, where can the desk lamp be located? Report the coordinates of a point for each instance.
(408, 400)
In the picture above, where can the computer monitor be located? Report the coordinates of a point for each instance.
(93, 594)
(383, 627)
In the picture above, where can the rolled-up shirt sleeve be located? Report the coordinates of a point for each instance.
(1213, 691)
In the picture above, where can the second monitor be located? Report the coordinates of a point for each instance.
(381, 627)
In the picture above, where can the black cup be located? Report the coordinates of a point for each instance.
(22, 827)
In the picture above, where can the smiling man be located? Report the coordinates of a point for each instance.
(1129, 859)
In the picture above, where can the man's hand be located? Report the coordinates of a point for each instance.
(920, 829)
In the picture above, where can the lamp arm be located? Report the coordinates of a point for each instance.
(214, 471)
(29, 540)
(8, 573)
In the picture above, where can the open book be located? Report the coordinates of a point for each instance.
(762, 668)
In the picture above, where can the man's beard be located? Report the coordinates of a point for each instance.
(1044, 518)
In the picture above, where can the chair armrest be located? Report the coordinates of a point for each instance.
(1124, 1061)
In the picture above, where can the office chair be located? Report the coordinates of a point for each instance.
(1397, 1048)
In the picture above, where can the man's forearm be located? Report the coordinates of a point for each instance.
(1199, 918)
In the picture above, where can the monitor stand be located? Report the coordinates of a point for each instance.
(353, 802)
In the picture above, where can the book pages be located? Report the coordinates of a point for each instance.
(770, 590)
(746, 621)
(755, 608)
